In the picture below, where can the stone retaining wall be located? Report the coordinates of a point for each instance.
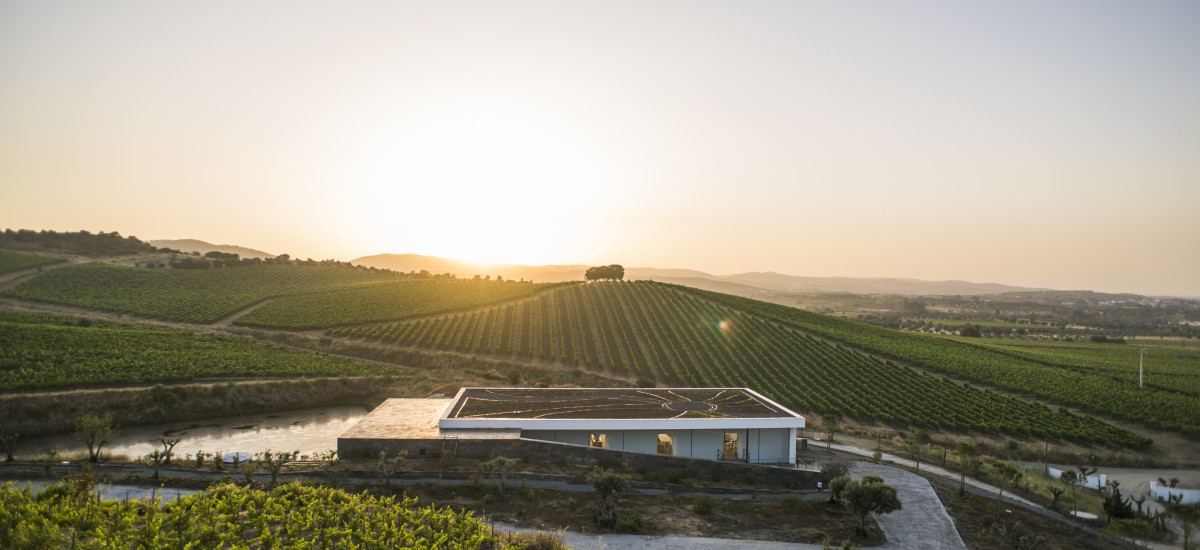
(579, 455)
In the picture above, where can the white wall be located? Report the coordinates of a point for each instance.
(1162, 494)
(765, 445)
(1092, 482)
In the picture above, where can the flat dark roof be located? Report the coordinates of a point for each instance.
(613, 403)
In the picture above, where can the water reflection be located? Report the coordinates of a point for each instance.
(309, 431)
(118, 492)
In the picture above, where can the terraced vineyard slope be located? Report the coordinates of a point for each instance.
(383, 301)
(1054, 372)
(652, 330)
(308, 295)
(15, 261)
(47, 351)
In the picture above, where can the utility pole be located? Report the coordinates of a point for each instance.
(1141, 366)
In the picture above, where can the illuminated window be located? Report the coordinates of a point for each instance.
(666, 444)
(598, 440)
(731, 447)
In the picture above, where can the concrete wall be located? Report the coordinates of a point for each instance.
(582, 456)
(1092, 482)
(1162, 494)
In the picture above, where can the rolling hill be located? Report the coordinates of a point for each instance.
(195, 245)
(673, 334)
(750, 281)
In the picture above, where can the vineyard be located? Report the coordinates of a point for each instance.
(1171, 404)
(651, 330)
(307, 296)
(384, 301)
(43, 351)
(15, 261)
(288, 516)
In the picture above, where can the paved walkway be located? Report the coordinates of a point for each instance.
(921, 522)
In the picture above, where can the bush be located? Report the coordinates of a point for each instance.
(631, 524)
(704, 504)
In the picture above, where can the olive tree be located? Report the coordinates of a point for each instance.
(96, 432)
(607, 483)
(869, 495)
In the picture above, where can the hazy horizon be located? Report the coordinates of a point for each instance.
(1023, 143)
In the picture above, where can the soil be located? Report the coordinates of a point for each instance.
(974, 516)
(803, 521)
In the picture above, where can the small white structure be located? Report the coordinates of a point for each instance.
(1164, 494)
(1091, 482)
(709, 423)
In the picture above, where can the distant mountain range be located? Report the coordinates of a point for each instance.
(195, 245)
(741, 283)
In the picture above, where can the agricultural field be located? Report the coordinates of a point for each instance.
(196, 296)
(228, 516)
(15, 261)
(384, 301)
(49, 351)
(1165, 368)
(656, 331)
(1076, 381)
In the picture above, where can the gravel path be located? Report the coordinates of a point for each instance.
(922, 522)
(580, 541)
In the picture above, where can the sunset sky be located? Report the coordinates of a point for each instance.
(1042, 143)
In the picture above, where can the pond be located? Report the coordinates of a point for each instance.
(309, 431)
(118, 492)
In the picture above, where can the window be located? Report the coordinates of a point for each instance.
(666, 444)
(731, 447)
(598, 440)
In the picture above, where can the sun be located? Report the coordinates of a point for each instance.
(494, 187)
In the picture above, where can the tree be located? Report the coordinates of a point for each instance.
(1056, 492)
(499, 466)
(1084, 472)
(9, 441)
(1009, 475)
(1188, 516)
(831, 470)
(276, 461)
(870, 495)
(831, 422)
(1071, 480)
(154, 460)
(96, 431)
(610, 272)
(970, 331)
(968, 460)
(168, 444)
(1117, 506)
(607, 483)
(837, 487)
(913, 447)
(387, 467)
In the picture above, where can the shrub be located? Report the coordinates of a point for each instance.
(704, 504)
(631, 524)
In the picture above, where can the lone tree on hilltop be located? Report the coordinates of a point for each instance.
(610, 272)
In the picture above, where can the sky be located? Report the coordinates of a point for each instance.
(1050, 144)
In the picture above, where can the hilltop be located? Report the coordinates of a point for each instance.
(750, 282)
(202, 247)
